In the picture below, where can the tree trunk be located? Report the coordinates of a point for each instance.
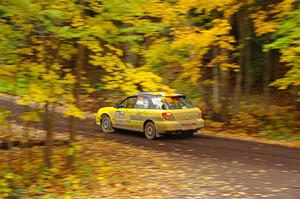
(296, 99)
(266, 78)
(238, 75)
(77, 87)
(247, 55)
(224, 90)
(130, 57)
(205, 96)
(78, 70)
(216, 92)
(9, 145)
(237, 91)
(49, 136)
(70, 159)
(27, 148)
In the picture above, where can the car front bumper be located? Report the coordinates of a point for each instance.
(98, 122)
(186, 125)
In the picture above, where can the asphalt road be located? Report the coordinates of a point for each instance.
(255, 170)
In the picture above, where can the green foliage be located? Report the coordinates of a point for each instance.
(287, 41)
(43, 39)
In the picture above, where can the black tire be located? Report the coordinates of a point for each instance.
(190, 133)
(150, 131)
(106, 125)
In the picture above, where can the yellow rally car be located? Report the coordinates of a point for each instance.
(152, 113)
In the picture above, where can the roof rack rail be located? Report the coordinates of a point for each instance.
(151, 93)
(144, 93)
(161, 93)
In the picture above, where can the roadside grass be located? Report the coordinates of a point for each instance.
(279, 135)
(262, 137)
(19, 87)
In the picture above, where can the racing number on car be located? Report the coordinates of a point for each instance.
(120, 117)
(136, 116)
(120, 114)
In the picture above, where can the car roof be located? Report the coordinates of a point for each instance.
(164, 94)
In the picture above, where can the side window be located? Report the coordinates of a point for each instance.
(142, 102)
(123, 104)
(130, 102)
(157, 103)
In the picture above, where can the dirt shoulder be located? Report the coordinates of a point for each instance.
(231, 134)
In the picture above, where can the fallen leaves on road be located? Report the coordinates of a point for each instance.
(108, 169)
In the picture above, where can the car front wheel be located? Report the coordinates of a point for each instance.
(106, 125)
(150, 130)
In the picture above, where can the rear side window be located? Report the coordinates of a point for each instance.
(171, 102)
(177, 102)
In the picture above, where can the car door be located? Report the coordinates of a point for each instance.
(131, 113)
(119, 119)
(142, 105)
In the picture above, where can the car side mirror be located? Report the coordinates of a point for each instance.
(118, 106)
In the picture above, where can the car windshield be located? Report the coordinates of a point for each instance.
(172, 102)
